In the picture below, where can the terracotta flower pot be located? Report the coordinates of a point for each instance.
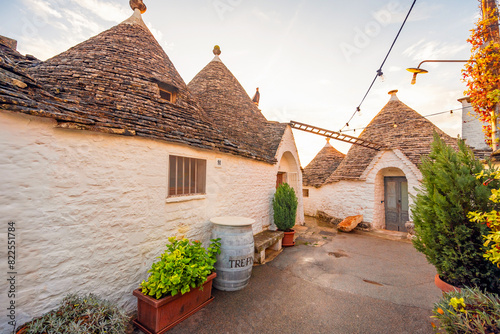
(155, 316)
(288, 239)
(445, 287)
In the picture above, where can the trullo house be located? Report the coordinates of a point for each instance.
(106, 152)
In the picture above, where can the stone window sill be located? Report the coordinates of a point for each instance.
(178, 199)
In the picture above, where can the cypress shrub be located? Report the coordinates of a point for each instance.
(444, 233)
(285, 207)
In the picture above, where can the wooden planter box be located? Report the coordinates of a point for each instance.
(155, 316)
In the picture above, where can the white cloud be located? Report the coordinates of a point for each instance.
(43, 8)
(105, 10)
(156, 33)
(395, 12)
(269, 16)
(394, 69)
(81, 24)
(433, 50)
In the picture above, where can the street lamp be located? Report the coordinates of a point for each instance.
(418, 70)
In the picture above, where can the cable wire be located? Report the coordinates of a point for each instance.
(379, 71)
(413, 119)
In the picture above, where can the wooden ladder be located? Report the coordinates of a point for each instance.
(335, 135)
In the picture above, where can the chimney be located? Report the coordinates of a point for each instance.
(393, 95)
(11, 43)
(256, 97)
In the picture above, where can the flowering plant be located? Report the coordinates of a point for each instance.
(491, 219)
(468, 311)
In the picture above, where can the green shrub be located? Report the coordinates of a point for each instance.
(183, 266)
(444, 233)
(77, 314)
(468, 311)
(285, 207)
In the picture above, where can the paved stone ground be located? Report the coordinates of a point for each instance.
(328, 283)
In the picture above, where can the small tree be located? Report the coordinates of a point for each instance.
(482, 71)
(285, 207)
(444, 233)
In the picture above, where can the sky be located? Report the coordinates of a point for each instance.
(312, 60)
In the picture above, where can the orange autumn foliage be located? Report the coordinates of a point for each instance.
(482, 71)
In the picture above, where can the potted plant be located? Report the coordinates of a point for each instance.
(180, 284)
(444, 233)
(285, 209)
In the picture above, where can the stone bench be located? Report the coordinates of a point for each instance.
(266, 240)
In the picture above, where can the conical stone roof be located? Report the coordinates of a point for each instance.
(396, 126)
(322, 166)
(233, 111)
(114, 77)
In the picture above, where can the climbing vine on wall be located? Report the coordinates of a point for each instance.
(482, 71)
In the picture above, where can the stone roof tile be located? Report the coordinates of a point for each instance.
(396, 126)
(110, 83)
(322, 166)
(233, 111)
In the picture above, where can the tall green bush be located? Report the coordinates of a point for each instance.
(444, 233)
(285, 207)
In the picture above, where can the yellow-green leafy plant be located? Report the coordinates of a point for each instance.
(183, 266)
(491, 219)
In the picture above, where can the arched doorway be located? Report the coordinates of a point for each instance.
(288, 172)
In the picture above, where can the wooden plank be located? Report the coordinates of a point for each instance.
(335, 135)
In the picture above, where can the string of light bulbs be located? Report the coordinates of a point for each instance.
(411, 119)
(379, 71)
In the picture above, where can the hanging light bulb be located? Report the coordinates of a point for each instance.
(358, 110)
(381, 75)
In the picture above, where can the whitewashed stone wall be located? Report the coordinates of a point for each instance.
(472, 128)
(348, 198)
(92, 213)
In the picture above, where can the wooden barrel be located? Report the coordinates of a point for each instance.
(235, 262)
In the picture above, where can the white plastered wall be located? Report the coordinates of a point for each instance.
(92, 213)
(365, 196)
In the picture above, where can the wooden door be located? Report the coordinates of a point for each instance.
(396, 203)
(280, 178)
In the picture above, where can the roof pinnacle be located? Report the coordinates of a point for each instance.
(393, 95)
(217, 53)
(138, 4)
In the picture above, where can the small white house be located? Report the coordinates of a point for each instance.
(374, 183)
(106, 152)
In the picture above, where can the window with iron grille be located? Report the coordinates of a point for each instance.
(187, 176)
